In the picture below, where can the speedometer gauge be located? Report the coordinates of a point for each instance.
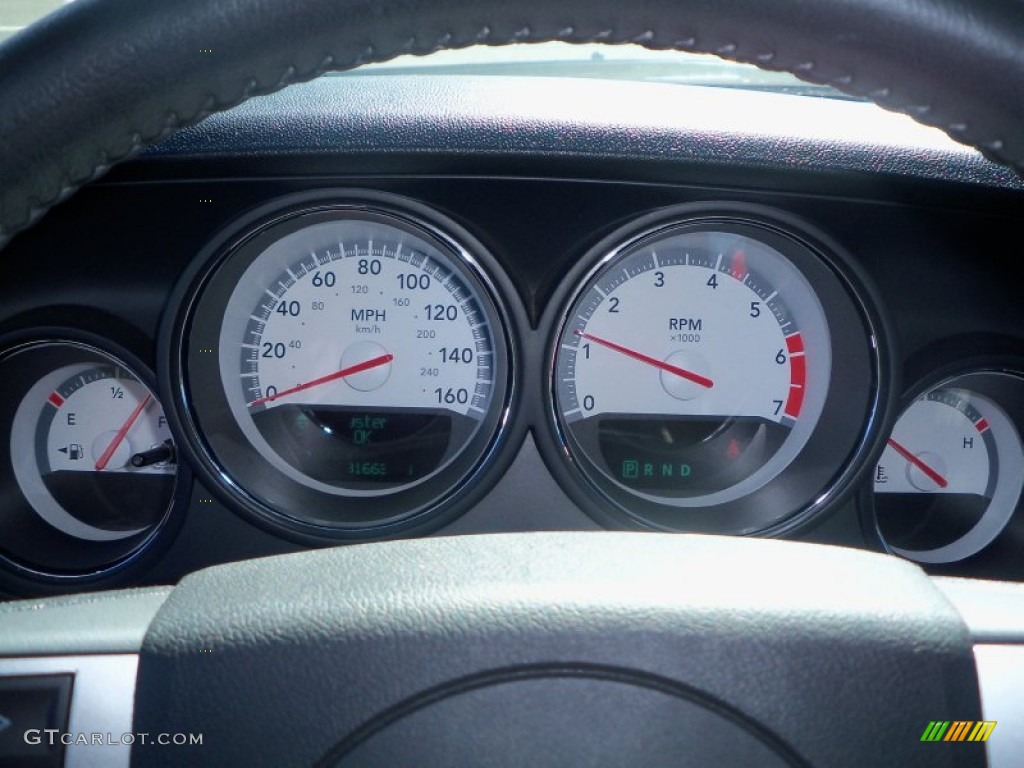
(704, 374)
(346, 368)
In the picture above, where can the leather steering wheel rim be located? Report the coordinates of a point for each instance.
(277, 660)
(95, 82)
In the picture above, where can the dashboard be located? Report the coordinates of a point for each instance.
(279, 331)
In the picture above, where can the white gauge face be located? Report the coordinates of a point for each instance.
(691, 370)
(950, 476)
(92, 474)
(346, 368)
(94, 404)
(364, 334)
(72, 440)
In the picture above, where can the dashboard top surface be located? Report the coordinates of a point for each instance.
(336, 119)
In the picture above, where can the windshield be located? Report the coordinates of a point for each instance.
(603, 62)
(17, 14)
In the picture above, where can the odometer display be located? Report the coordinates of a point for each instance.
(692, 369)
(347, 367)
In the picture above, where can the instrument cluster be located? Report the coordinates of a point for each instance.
(352, 365)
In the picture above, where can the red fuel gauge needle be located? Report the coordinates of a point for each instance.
(119, 437)
(375, 362)
(696, 378)
(934, 476)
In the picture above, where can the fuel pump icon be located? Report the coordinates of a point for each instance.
(73, 450)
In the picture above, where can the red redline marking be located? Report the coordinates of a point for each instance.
(55, 400)
(934, 476)
(981, 425)
(739, 265)
(798, 370)
(797, 375)
(795, 401)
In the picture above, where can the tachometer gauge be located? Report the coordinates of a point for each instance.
(346, 369)
(704, 373)
(952, 473)
(93, 468)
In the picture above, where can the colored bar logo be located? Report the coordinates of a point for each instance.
(958, 730)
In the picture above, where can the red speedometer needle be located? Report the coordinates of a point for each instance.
(102, 463)
(696, 378)
(375, 362)
(935, 477)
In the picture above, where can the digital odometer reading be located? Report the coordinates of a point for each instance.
(347, 447)
(692, 368)
(346, 367)
(361, 317)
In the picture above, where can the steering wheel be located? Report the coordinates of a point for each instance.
(544, 649)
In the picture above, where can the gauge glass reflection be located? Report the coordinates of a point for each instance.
(92, 463)
(950, 477)
(693, 369)
(346, 367)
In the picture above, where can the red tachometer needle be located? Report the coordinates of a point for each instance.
(696, 378)
(102, 463)
(934, 476)
(350, 371)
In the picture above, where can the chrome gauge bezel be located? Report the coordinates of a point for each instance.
(999, 379)
(862, 370)
(22, 576)
(306, 514)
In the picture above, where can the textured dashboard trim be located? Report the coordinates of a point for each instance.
(431, 116)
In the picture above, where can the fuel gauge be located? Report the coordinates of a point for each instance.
(950, 477)
(92, 472)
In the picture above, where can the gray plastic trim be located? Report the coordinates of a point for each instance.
(102, 702)
(1001, 679)
(992, 610)
(98, 622)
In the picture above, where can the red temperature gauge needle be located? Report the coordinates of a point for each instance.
(696, 378)
(934, 476)
(102, 463)
(350, 371)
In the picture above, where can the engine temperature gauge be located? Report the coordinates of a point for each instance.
(950, 477)
(91, 458)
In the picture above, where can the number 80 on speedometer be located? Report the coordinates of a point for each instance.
(347, 369)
